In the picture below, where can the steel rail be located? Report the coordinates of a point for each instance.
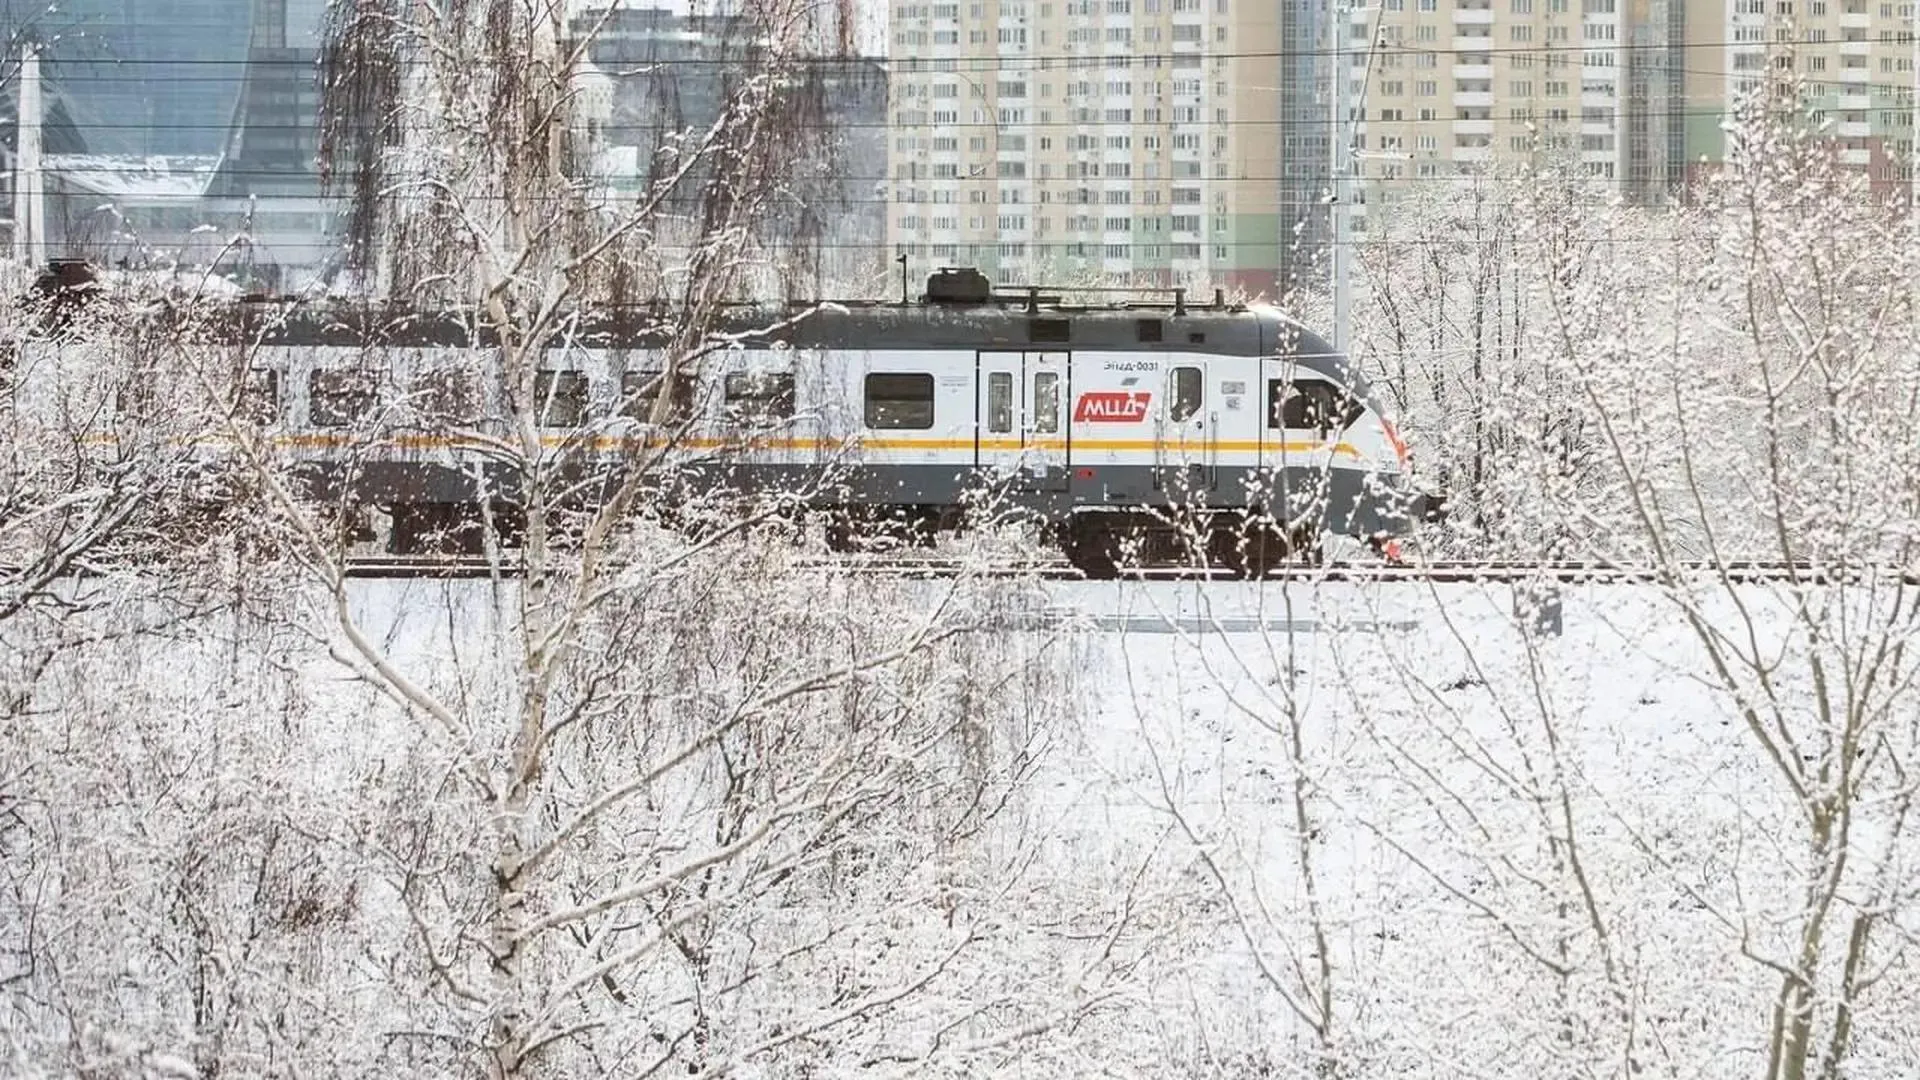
(1435, 572)
(933, 566)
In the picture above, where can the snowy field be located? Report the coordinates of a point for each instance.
(1254, 830)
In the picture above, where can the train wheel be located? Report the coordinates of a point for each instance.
(1092, 547)
(1258, 549)
(1263, 549)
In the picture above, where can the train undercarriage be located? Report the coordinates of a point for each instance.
(415, 513)
(1100, 543)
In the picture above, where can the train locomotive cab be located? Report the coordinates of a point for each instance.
(1261, 440)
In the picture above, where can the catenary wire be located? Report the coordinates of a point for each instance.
(1032, 61)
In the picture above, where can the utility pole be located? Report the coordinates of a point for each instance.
(1340, 135)
(29, 211)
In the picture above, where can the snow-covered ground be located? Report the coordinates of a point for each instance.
(1523, 847)
(1253, 826)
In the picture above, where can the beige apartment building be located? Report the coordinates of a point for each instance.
(1849, 63)
(1185, 142)
(1629, 93)
(1454, 87)
(1121, 142)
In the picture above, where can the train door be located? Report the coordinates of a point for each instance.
(1049, 435)
(1021, 430)
(1184, 443)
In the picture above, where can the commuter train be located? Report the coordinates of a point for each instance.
(1132, 433)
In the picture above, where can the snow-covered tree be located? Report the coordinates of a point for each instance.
(661, 797)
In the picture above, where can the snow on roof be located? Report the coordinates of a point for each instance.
(135, 178)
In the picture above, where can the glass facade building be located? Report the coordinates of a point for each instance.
(138, 78)
(162, 117)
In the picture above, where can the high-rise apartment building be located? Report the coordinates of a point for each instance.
(1632, 94)
(1847, 64)
(1453, 87)
(1130, 142)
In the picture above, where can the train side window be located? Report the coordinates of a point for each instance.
(762, 395)
(447, 396)
(899, 400)
(1046, 402)
(560, 398)
(134, 400)
(639, 390)
(1000, 402)
(1278, 392)
(1187, 393)
(340, 397)
(260, 397)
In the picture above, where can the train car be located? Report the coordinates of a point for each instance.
(1131, 432)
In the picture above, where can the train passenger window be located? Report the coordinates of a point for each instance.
(260, 397)
(340, 397)
(135, 400)
(639, 390)
(560, 398)
(1046, 402)
(760, 395)
(1000, 401)
(899, 400)
(447, 396)
(1186, 393)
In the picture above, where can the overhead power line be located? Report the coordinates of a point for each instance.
(1067, 61)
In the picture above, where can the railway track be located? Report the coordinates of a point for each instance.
(1438, 572)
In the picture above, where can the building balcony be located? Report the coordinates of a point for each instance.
(1468, 43)
(1849, 101)
(1856, 129)
(1473, 127)
(1473, 17)
(1861, 20)
(1473, 99)
(1856, 76)
(1472, 153)
(1473, 71)
(1856, 48)
(1856, 157)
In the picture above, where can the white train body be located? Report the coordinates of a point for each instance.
(1069, 415)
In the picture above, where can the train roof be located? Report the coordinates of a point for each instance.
(958, 310)
(829, 324)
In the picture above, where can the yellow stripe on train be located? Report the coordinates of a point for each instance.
(606, 443)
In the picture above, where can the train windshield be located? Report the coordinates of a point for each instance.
(1310, 405)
